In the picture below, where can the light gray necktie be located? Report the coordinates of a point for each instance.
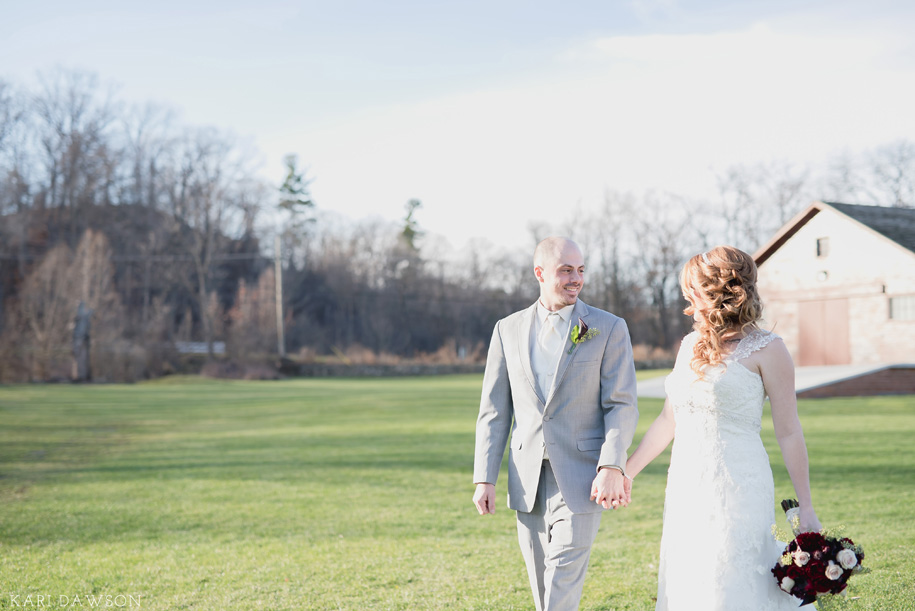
(550, 337)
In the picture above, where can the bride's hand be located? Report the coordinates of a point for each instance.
(809, 522)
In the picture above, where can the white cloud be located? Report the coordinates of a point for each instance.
(632, 113)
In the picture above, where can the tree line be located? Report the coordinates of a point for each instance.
(165, 233)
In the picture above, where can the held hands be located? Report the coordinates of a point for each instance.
(610, 489)
(484, 498)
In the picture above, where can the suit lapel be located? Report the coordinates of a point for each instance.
(524, 346)
(579, 311)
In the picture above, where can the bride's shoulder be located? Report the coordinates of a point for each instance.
(689, 339)
(760, 338)
(687, 344)
(756, 342)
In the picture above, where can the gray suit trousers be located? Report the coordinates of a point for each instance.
(556, 545)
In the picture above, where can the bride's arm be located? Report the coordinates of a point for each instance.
(777, 371)
(661, 432)
(658, 437)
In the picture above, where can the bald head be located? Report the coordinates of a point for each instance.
(550, 250)
(560, 269)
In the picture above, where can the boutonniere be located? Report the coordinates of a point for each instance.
(582, 333)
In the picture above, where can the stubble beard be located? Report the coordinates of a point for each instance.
(569, 299)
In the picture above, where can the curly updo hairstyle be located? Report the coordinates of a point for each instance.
(728, 303)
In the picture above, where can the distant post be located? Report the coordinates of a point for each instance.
(278, 297)
(81, 332)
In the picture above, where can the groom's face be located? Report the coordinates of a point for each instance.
(561, 277)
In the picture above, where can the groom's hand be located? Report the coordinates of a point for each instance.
(484, 498)
(608, 489)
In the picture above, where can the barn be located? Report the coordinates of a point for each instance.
(838, 284)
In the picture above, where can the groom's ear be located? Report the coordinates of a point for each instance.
(538, 271)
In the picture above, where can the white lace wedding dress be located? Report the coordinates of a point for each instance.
(717, 548)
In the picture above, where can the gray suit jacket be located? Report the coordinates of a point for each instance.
(587, 420)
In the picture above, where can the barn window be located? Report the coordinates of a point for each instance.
(902, 308)
(822, 247)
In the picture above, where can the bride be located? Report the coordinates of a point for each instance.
(717, 547)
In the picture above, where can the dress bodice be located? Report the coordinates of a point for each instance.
(729, 395)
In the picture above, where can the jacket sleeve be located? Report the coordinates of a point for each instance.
(618, 396)
(496, 410)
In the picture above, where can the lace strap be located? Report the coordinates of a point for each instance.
(755, 340)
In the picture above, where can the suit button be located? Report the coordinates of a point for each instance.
(546, 418)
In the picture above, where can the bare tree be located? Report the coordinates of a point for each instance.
(785, 189)
(199, 204)
(844, 180)
(206, 199)
(147, 132)
(14, 181)
(72, 122)
(609, 278)
(739, 208)
(10, 113)
(893, 174)
(754, 202)
(663, 239)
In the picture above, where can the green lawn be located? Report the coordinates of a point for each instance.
(355, 494)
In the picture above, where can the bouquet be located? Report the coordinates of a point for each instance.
(815, 563)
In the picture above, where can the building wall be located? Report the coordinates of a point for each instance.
(861, 266)
(892, 381)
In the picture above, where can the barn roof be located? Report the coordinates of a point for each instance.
(898, 224)
(895, 224)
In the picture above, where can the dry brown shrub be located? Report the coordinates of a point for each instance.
(120, 360)
(260, 371)
(479, 353)
(445, 355)
(660, 354)
(642, 352)
(41, 320)
(358, 354)
(306, 354)
(46, 305)
(252, 318)
(233, 370)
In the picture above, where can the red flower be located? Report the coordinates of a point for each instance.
(811, 542)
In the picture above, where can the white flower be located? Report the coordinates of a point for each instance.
(787, 584)
(801, 557)
(833, 571)
(847, 558)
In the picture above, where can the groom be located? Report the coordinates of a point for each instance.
(560, 380)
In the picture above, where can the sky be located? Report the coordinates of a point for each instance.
(497, 114)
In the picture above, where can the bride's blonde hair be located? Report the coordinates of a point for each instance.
(728, 304)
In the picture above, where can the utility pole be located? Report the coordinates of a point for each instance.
(278, 281)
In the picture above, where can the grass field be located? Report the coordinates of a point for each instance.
(355, 494)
